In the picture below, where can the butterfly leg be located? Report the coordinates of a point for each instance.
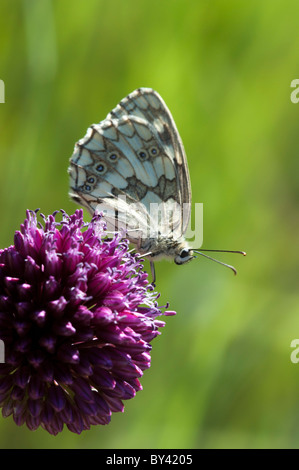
(153, 273)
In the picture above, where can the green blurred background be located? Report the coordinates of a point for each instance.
(221, 374)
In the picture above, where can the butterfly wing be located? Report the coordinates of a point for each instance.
(147, 104)
(132, 159)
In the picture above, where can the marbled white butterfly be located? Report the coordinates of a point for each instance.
(132, 166)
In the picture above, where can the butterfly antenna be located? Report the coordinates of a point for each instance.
(227, 251)
(220, 262)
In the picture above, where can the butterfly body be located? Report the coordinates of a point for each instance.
(166, 248)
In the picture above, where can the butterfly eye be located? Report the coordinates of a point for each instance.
(86, 187)
(91, 180)
(153, 151)
(143, 155)
(101, 168)
(113, 156)
(184, 253)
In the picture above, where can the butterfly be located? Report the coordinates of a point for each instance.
(133, 167)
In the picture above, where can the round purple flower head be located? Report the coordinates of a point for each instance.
(77, 314)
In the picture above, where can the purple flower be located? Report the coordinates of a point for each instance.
(77, 314)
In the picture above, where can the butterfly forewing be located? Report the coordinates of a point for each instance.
(148, 105)
(133, 161)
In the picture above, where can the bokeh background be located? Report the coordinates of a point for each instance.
(221, 374)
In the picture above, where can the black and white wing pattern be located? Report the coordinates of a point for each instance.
(130, 162)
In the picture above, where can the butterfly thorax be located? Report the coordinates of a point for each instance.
(165, 247)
